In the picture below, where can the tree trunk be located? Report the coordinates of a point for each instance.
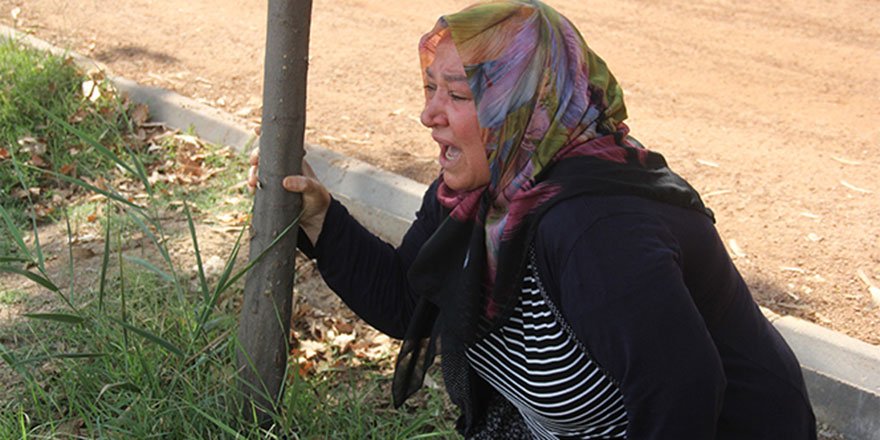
(264, 328)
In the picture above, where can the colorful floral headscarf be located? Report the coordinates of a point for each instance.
(540, 93)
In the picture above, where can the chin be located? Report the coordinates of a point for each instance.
(453, 183)
(457, 182)
(457, 185)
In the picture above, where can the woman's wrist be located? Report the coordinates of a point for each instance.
(314, 226)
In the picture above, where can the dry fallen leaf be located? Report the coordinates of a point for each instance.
(68, 169)
(79, 115)
(4, 154)
(343, 327)
(305, 368)
(343, 341)
(32, 145)
(310, 349)
(139, 114)
(38, 161)
(90, 90)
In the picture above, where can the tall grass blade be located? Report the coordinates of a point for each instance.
(123, 310)
(16, 233)
(21, 424)
(439, 434)
(141, 171)
(224, 276)
(65, 318)
(219, 423)
(70, 273)
(151, 267)
(78, 355)
(41, 262)
(203, 282)
(262, 254)
(127, 386)
(163, 251)
(43, 281)
(151, 337)
(105, 259)
(230, 265)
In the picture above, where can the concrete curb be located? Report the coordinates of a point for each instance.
(842, 373)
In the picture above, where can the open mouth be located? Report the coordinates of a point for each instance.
(450, 152)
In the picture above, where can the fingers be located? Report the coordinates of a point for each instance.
(298, 184)
(252, 179)
(254, 160)
(310, 188)
(255, 157)
(305, 183)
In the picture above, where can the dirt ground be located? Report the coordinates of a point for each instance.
(771, 108)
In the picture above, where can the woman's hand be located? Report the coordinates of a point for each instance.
(315, 197)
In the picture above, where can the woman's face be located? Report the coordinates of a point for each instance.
(451, 115)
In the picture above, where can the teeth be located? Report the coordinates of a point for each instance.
(452, 152)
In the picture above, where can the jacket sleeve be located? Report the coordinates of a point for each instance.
(620, 286)
(368, 274)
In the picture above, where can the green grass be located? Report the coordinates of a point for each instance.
(48, 126)
(92, 378)
(136, 344)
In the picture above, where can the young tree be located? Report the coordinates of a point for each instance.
(265, 316)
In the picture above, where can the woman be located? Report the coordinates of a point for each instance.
(573, 284)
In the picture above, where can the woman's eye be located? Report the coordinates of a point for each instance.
(459, 97)
(430, 87)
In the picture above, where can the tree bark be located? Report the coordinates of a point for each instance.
(264, 328)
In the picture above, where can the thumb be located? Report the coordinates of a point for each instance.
(293, 183)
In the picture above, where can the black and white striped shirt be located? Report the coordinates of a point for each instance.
(537, 363)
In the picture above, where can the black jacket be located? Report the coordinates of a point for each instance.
(647, 287)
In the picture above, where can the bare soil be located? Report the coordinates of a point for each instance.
(771, 108)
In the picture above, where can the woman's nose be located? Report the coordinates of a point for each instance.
(433, 114)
